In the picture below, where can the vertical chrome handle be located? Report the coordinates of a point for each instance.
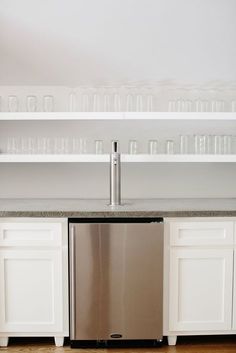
(72, 282)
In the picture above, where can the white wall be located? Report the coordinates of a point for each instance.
(138, 181)
(71, 42)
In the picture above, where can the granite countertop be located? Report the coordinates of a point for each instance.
(130, 208)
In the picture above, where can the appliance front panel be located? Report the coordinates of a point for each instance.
(118, 281)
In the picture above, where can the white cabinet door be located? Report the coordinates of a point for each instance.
(234, 294)
(200, 289)
(31, 297)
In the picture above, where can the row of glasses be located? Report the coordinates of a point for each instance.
(153, 147)
(112, 102)
(131, 98)
(213, 144)
(183, 105)
(130, 104)
(154, 98)
(47, 145)
(206, 144)
(188, 144)
(32, 103)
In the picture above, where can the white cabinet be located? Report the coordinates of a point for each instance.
(33, 278)
(199, 277)
(200, 289)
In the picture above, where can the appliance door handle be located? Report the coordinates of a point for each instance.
(72, 255)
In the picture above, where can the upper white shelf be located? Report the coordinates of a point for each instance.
(125, 158)
(117, 116)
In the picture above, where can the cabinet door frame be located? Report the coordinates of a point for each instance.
(31, 232)
(201, 233)
(55, 256)
(176, 254)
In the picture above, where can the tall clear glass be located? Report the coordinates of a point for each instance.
(13, 104)
(98, 146)
(31, 103)
(133, 147)
(152, 146)
(184, 144)
(200, 144)
(48, 103)
(170, 147)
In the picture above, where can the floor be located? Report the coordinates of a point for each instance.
(220, 344)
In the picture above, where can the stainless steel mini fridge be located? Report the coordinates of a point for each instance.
(116, 279)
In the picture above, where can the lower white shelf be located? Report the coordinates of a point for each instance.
(125, 158)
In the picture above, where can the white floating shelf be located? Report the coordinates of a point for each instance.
(62, 116)
(54, 158)
(117, 116)
(180, 116)
(125, 158)
(178, 158)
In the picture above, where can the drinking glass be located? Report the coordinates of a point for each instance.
(227, 144)
(233, 147)
(82, 145)
(31, 103)
(96, 103)
(184, 144)
(117, 103)
(12, 145)
(43, 145)
(139, 103)
(64, 145)
(217, 106)
(98, 146)
(150, 104)
(129, 103)
(152, 146)
(217, 144)
(201, 105)
(13, 104)
(208, 144)
(48, 103)
(188, 105)
(133, 147)
(85, 102)
(75, 145)
(170, 147)
(233, 106)
(24, 145)
(72, 102)
(172, 106)
(106, 103)
(180, 105)
(200, 144)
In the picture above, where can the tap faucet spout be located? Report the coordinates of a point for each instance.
(115, 175)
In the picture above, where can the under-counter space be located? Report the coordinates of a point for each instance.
(201, 207)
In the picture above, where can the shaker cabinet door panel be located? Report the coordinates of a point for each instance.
(30, 234)
(201, 233)
(31, 291)
(200, 289)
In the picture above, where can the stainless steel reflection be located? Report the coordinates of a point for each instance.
(116, 281)
(115, 175)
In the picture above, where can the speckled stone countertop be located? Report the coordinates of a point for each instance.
(130, 208)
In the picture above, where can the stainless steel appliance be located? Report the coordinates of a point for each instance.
(116, 279)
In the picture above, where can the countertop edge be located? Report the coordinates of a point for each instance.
(107, 214)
